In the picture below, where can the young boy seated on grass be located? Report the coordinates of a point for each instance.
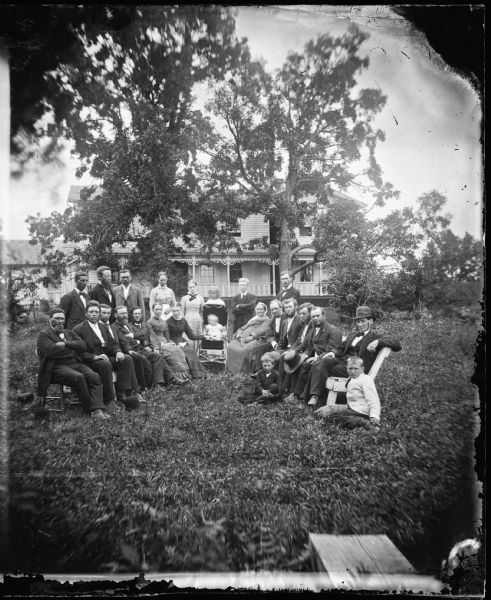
(213, 330)
(267, 384)
(363, 404)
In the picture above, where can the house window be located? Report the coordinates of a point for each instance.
(206, 275)
(305, 231)
(307, 274)
(235, 232)
(235, 273)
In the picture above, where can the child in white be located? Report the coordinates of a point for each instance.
(363, 404)
(213, 330)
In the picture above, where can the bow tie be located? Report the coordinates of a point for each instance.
(83, 294)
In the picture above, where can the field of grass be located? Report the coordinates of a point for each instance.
(195, 480)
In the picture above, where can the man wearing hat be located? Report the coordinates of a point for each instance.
(322, 337)
(364, 342)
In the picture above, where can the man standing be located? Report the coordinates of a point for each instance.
(162, 372)
(103, 291)
(243, 305)
(127, 294)
(103, 354)
(74, 303)
(364, 342)
(59, 353)
(287, 289)
(322, 337)
(161, 293)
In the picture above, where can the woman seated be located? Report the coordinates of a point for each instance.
(178, 328)
(159, 336)
(249, 344)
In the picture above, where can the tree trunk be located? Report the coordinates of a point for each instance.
(285, 241)
(284, 250)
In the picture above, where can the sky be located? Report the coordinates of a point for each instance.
(431, 121)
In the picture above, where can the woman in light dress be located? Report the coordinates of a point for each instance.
(178, 328)
(161, 293)
(192, 310)
(249, 344)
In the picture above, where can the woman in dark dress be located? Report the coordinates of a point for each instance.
(178, 327)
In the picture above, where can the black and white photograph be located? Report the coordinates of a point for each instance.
(242, 298)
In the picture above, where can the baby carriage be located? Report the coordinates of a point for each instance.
(213, 353)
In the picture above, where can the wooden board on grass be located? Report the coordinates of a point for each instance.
(358, 554)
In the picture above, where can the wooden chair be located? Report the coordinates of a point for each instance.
(338, 384)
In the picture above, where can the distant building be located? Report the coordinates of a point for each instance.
(225, 269)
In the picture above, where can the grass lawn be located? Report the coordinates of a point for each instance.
(195, 480)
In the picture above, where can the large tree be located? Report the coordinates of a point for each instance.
(132, 123)
(302, 132)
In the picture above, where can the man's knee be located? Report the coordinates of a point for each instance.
(327, 362)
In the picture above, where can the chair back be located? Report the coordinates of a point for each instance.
(219, 311)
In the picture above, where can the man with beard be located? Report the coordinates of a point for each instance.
(149, 366)
(364, 342)
(103, 291)
(60, 362)
(322, 338)
(103, 354)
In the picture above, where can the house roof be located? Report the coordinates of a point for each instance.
(21, 252)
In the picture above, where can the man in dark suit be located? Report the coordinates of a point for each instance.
(149, 366)
(103, 354)
(291, 325)
(275, 326)
(290, 329)
(243, 305)
(364, 342)
(322, 337)
(75, 302)
(103, 291)
(59, 353)
(287, 289)
(127, 294)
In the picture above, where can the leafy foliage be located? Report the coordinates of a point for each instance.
(131, 121)
(306, 126)
(197, 481)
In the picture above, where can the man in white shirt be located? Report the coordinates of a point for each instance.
(129, 295)
(363, 403)
(104, 354)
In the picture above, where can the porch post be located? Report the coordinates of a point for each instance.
(228, 276)
(194, 267)
(274, 277)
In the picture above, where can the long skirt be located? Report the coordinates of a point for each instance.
(195, 322)
(245, 358)
(196, 368)
(176, 359)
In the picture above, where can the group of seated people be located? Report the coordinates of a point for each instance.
(295, 351)
(102, 346)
